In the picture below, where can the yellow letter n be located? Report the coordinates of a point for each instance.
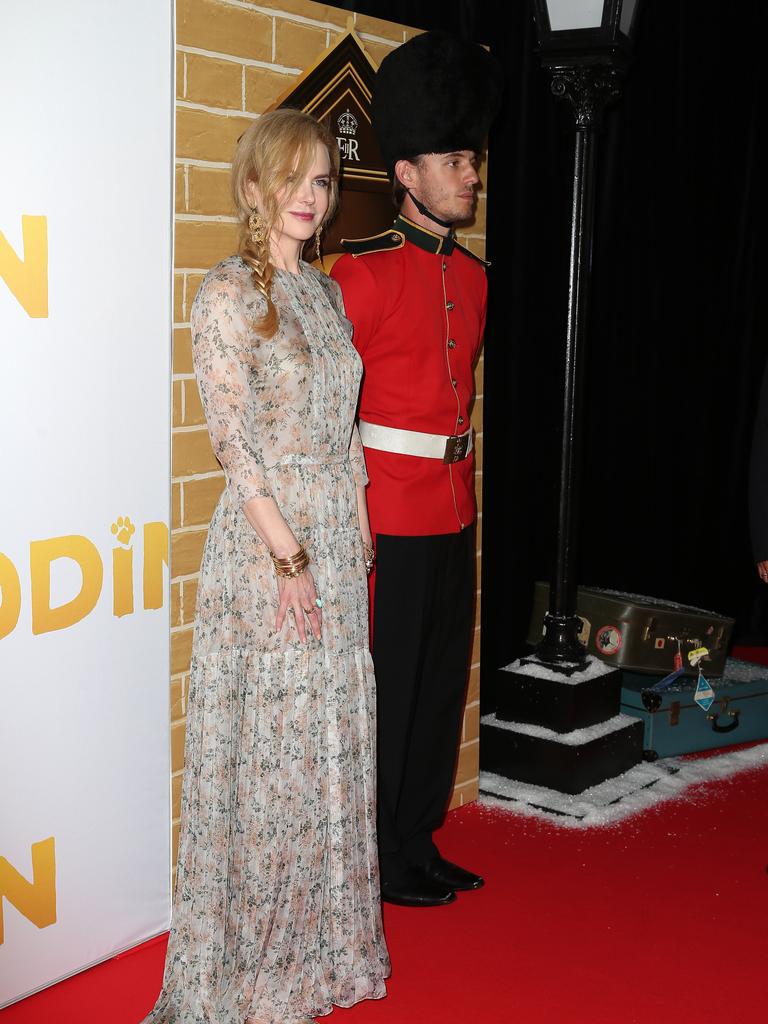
(36, 900)
(28, 278)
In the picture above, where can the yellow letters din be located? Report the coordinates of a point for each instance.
(41, 554)
(36, 900)
(10, 591)
(155, 557)
(28, 278)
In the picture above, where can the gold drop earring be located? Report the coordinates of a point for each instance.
(256, 227)
(318, 250)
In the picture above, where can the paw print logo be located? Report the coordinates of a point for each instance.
(123, 529)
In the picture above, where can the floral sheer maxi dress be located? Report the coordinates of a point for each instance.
(277, 909)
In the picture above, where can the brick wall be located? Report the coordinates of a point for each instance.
(233, 60)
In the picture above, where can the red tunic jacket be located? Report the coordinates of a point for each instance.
(417, 302)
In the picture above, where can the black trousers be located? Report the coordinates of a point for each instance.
(422, 627)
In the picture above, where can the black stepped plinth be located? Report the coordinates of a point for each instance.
(568, 763)
(575, 700)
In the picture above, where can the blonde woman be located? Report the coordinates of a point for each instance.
(276, 916)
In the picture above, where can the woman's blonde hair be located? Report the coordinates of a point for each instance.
(278, 148)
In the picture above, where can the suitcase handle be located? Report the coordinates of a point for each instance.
(725, 728)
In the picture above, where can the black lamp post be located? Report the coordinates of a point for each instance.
(586, 46)
(558, 724)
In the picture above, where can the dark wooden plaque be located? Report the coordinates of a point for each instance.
(337, 91)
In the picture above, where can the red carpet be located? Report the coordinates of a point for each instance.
(662, 918)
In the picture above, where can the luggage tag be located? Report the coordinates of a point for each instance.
(678, 669)
(697, 655)
(678, 659)
(704, 695)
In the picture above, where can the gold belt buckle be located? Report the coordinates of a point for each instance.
(456, 448)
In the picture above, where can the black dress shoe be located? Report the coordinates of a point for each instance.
(443, 872)
(413, 888)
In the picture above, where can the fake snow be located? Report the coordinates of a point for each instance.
(533, 667)
(736, 671)
(654, 602)
(574, 738)
(642, 787)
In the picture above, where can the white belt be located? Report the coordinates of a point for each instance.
(448, 448)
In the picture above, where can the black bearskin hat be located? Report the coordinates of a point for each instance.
(434, 94)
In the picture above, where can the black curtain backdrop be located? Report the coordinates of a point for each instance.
(676, 338)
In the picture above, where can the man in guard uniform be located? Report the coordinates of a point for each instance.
(417, 300)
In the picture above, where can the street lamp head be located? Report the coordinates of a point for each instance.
(583, 32)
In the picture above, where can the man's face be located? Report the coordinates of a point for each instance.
(446, 183)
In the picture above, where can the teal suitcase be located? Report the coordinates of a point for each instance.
(674, 724)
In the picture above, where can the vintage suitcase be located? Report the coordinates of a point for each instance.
(641, 634)
(678, 725)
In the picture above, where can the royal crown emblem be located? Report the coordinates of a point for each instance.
(347, 123)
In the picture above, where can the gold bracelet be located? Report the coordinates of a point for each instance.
(292, 566)
(369, 554)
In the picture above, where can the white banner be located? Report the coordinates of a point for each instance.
(85, 312)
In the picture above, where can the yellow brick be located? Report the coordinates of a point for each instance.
(378, 51)
(463, 794)
(477, 414)
(191, 453)
(176, 414)
(201, 135)
(200, 497)
(203, 244)
(263, 88)
(177, 747)
(213, 82)
(179, 189)
(308, 9)
(473, 690)
(468, 763)
(190, 597)
(176, 784)
(193, 407)
(475, 245)
(175, 506)
(193, 283)
(175, 604)
(471, 730)
(296, 45)
(178, 698)
(217, 26)
(182, 350)
(181, 651)
(186, 555)
(179, 76)
(209, 192)
(456, 798)
(377, 27)
(178, 298)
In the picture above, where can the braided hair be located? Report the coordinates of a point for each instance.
(277, 148)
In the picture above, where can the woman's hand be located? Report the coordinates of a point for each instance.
(298, 597)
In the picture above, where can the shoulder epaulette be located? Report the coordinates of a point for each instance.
(472, 255)
(383, 242)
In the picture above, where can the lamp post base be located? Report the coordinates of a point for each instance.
(560, 726)
(561, 646)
